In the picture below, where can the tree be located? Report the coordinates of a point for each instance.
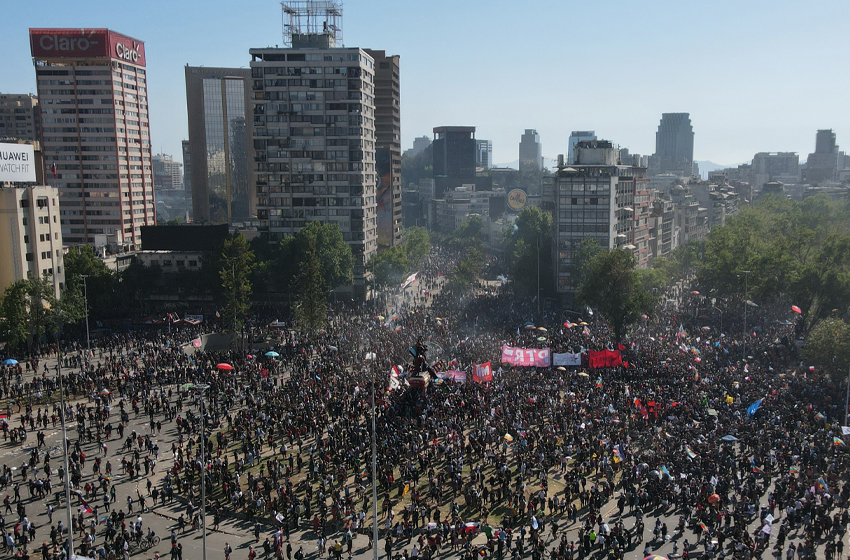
(336, 261)
(467, 270)
(417, 245)
(389, 266)
(311, 305)
(611, 284)
(101, 284)
(13, 314)
(237, 261)
(828, 345)
(470, 230)
(529, 251)
(588, 249)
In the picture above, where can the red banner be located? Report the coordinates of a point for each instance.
(604, 358)
(482, 373)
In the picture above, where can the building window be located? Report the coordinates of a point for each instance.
(29, 257)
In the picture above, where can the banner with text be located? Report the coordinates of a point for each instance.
(566, 359)
(482, 373)
(453, 375)
(526, 357)
(604, 358)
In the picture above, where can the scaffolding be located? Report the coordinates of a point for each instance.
(312, 17)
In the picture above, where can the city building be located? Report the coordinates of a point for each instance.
(459, 204)
(30, 230)
(220, 144)
(454, 158)
(674, 146)
(167, 173)
(530, 151)
(420, 144)
(595, 197)
(577, 136)
(314, 132)
(92, 91)
(484, 153)
(822, 165)
(19, 116)
(187, 167)
(387, 147)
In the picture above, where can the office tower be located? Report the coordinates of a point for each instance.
(30, 232)
(775, 166)
(187, 167)
(19, 116)
(822, 165)
(483, 153)
(530, 152)
(674, 146)
(577, 136)
(595, 197)
(419, 145)
(454, 158)
(387, 147)
(167, 173)
(220, 144)
(92, 90)
(314, 132)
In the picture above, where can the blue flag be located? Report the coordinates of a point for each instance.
(751, 410)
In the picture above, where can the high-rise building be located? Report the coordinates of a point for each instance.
(187, 167)
(595, 197)
(775, 166)
(19, 117)
(454, 158)
(484, 153)
(577, 136)
(167, 173)
(314, 132)
(674, 146)
(530, 151)
(420, 143)
(218, 101)
(387, 147)
(92, 90)
(822, 165)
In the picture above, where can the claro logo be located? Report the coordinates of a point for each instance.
(57, 43)
(127, 53)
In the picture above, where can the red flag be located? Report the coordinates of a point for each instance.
(53, 169)
(482, 373)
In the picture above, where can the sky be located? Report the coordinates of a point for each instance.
(754, 76)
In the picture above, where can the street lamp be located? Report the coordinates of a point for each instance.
(70, 548)
(374, 460)
(201, 388)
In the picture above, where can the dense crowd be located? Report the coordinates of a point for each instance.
(544, 462)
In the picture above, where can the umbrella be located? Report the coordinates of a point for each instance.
(706, 328)
(644, 316)
(225, 367)
(509, 437)
(561, 368)
(332, 348)
(583, 324)
(187, 386)
(541, 339)
(729, 438)
(583, 374)
(695, 293)
(272, 354)
(530, 327)
(104, 392)
(713, 498)
(10, 362)
(541, 329)
(796, 309)
(655, 557)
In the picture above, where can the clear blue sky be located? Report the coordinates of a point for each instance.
(754, 75)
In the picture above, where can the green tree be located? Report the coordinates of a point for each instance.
(470, 230)
(587, 249)
(389, 266)
(311, 306)
(828, 346)
(237, 261)
(529, 251)
(13, 314)
(336, 260)
(467, 270)
(611, 284)
(101, 284)
(417, 245)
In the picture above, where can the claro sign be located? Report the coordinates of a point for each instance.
(85, 43)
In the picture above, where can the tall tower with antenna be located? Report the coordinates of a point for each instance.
(312, 23)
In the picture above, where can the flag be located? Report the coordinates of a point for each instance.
(702, 526)
(618, 453)
(794, 469)
(822, 485)
(406, 490)
(53, 169)
(665, 471)
(837, 441)
(753, 465)
(751, 410)
(482, 373)
(397, 329)
(217, 314)
(599, 382)
(845, 430)
(690, 452)
(586, 331)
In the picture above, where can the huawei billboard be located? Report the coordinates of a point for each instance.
(86, 43)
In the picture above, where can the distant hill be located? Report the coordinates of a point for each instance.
(547, 163)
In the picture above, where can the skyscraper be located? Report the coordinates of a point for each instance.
(92, 90)
(822, 165)
(530, 151)
(387, 147)
(187, 167)
(484, 153)
(454, 158)
(314, 132)
(575, 137)
(19, 117)
(220, 144)
(674, 146)
(167, 173)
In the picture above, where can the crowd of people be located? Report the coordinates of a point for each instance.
(725, 431)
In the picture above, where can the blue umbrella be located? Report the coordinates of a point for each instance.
(272, 354)
(729, 438)
(10, 362)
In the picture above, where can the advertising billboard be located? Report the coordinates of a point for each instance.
(517, 199)
(86, 43)
(17, 163)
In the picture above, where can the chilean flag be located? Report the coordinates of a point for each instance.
(53, 169)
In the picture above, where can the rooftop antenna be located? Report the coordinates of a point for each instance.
(312, 17)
